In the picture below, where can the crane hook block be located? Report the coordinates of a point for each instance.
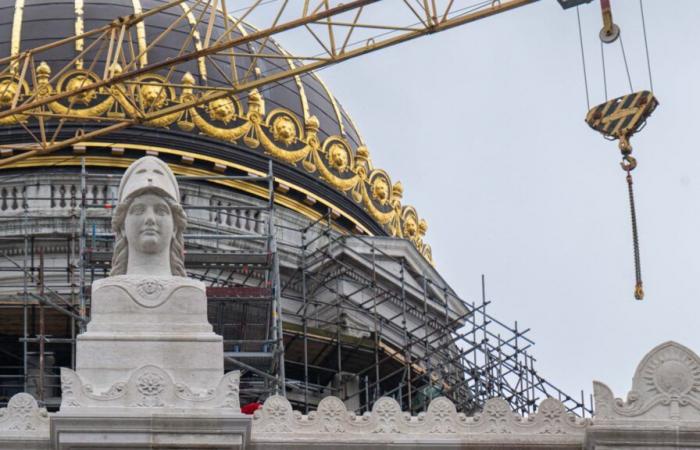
(622, 117)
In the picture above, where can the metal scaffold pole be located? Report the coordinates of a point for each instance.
(276, 285)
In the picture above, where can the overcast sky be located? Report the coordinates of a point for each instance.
(484, 125)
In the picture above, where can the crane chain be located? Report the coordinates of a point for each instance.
(628, 165)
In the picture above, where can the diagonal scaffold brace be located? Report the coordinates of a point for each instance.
(620, 118)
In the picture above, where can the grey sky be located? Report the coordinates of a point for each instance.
(484, 126)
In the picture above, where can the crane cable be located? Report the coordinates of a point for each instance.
(583, 59)
(646, 45)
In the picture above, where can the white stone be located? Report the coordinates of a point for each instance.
(662, 411)
(23, 418)
(149, 368)
(146, 320)
(665, 387)
(170, 429)
(496, 427)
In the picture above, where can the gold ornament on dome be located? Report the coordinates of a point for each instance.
(380, 190)
(226, 111)
(91, 103)
(8, 92)
(77, 82)
(338, 158)
(153, 97)
(153, 94)
(284, 130)
(410, 227)
(279, 133)
(222, 109)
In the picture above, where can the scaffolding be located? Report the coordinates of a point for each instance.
(318, 313)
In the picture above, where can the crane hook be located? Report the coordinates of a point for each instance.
(629, 163)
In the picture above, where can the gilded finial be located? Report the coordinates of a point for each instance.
(115, 69)
(422, 227)
(312, 124)
(188, 79)
(256, 103)
(43, 70)
(397, 190)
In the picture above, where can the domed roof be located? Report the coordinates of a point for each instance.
(296, 121)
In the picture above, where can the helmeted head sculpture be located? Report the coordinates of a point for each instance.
(149, 222)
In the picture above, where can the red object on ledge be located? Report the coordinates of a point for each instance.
(250, 408)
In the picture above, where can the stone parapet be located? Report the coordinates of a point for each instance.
(151, 410)
(441, 426)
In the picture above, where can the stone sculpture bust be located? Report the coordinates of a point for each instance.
(148, 222)
(148, 284)
(148, 344)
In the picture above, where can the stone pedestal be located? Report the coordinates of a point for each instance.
(146, 320)
(149, 373)
(150, 428)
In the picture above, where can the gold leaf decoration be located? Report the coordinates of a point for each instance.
(9, 87)
(90, 103)
(280, 134)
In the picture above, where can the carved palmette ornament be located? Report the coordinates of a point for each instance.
(279, 133)
(277, 422)
(23, 418)
(666, 386)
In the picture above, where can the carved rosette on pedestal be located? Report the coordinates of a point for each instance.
(149, 387)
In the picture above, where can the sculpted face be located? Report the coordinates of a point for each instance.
(338, 158)
(283, 130)
(153, 96)
(8, 89)
(84, 98)
(221, 109)
(148, 225)
(380, 190)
